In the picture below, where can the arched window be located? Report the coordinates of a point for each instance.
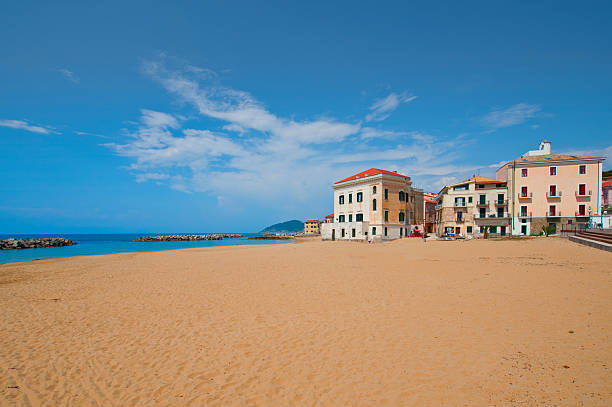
(373, 204)
(401, 195)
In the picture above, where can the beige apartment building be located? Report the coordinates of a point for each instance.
(311, 227)
(375, 205)
(470, 207)
(552, 189)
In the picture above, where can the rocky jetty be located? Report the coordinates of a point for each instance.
(34, 243)
(186, 238)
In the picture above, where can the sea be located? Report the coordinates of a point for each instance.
(95, 244)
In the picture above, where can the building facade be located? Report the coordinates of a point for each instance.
(471, 207)
(429, 212)
(375, 205)
(311, 227)
(606, 195)
(552, 189)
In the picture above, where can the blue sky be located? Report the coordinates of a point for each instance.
(210, 116)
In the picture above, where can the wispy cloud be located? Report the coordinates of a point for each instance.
(601, 152)
(511, 116)
(252, 152)
(23, 125)
(382, 108)
(68, 74)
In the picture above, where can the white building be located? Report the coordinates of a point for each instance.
(375, 205)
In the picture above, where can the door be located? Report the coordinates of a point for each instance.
(524, 229)
(503, 231)
(333, 234)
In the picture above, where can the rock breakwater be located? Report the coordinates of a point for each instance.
(187, 238)
(34, 243)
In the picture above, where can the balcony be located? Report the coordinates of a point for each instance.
(585, 194)
(501, 202)
(525, 215)
(554, 194)
(527, 195)
(579, 214)
(492, 220)
(481, 203)
(460, 220)
(553, 214)
(492, 216)
(459, 205)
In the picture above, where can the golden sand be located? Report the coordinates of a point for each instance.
(407, 323)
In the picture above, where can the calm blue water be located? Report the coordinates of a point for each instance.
(113, 243)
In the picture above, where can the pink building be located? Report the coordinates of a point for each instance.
(606, 194)
(551, 189)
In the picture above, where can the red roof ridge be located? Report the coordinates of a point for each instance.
(369, 173)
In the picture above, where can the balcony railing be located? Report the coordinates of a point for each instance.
(556, 194)
(459, 205)
(460, 220)
(583, 195)
(525, 215)
(578, 213)
(527, 195)
(501, 202)
(553, 214)
(481, 203)
(491, 216)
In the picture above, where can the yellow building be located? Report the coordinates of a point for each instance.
(311, 227)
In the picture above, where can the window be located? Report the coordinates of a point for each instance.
(552, 210)
(353, 233)
(480, 186)
(552, 190)
(341, 199)
(499, 185)
(460, 201)
(374, 231)
(500, 212)
(469, 229)
(553, 171)
(385, 231)
(401, 196)
(341, 218)
(524, 191)
(386, 193)
(459, 216)
(373, 204)
(483, 199)
(464, 187)
(350, 217)
(401, 216)
(523, 210)
(582, 189)
(469, 199)
(374, 189)
(524, 172)
(483, 213)
(359, 196)
(493, 229)
(581, 210)
(350, 198)
(582, 169)
(359, 217)
(386, 216)
(500, 199)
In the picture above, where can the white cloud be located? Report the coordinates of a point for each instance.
(382, 108)
(497, 165)
(601, 152)
(251, 153)
(69, 75)
(23, 125)
(511, 116)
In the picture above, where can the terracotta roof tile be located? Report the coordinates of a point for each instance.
(369, 173)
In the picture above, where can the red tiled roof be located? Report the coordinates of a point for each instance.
(331, 215)
(369, 173)
(312, 221)
(607, 183)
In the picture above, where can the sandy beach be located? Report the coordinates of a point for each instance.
(405, 323)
